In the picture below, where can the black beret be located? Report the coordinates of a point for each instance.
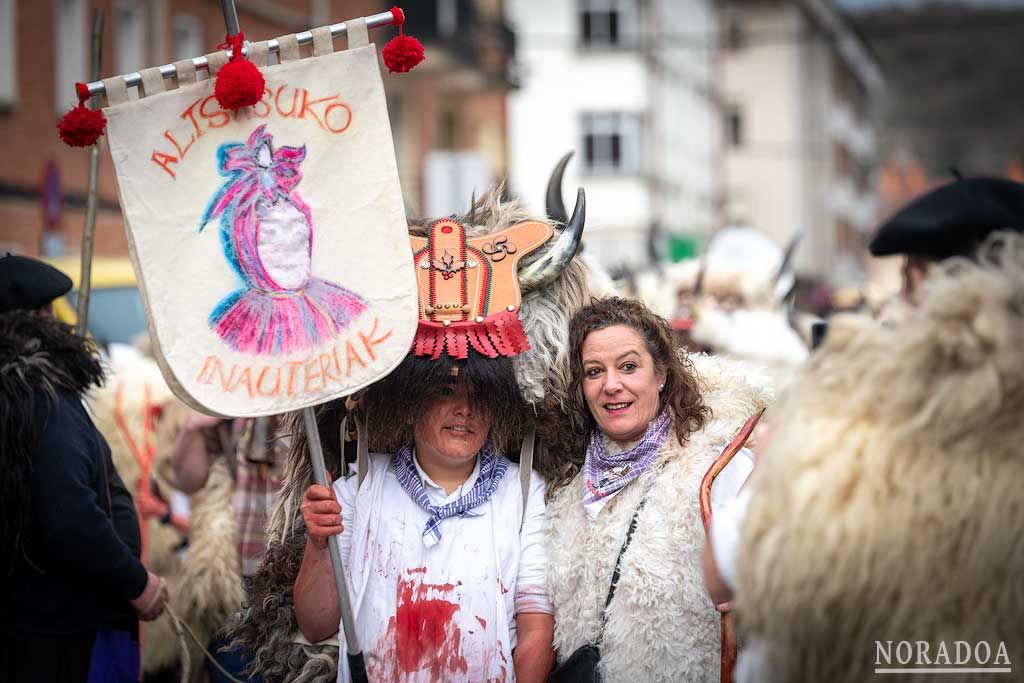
(26, 283)
(953, 219)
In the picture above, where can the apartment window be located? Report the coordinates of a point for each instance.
(131, 36)
(608, 23)
(447, 18)
(71, 55)
(734, 36)
(733, 126)
(449, 128)
(611, 142)
(8, 52)
(187, 36)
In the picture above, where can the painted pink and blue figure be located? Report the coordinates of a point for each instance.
(267, 234)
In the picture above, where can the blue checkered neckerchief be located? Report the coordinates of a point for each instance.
(493, 466)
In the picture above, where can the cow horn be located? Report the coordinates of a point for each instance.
(548, 267)
(554, 204)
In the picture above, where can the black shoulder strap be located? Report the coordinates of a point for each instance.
(618, 564)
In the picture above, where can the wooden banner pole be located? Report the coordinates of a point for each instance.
(89, 231)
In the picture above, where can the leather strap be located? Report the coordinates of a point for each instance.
(116, 90)
(618, 565)
(258, 53)
(323, 44)
(152, 82)
(362, 450)
(526, 468)
(186, 72)
(355, 31)
(215, 61)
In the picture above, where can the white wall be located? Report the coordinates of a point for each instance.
(784, 177)
(667, 88)
(684, 134)
(761, 176)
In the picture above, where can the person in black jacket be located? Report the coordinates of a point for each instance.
(72, 587)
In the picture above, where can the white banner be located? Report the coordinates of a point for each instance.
(270, 244)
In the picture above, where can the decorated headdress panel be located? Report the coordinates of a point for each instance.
(468, 290)
(469, 277)
(496, 286)
(500, 283)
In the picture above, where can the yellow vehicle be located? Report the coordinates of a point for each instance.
(116, 314)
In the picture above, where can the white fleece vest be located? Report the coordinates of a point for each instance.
(662, 626)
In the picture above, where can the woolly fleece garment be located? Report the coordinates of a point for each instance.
(888, 505)
(662, 626)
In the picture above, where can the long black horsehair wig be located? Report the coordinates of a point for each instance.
(38, 356)
(393, 404)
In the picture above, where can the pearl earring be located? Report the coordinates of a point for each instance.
(661, 387)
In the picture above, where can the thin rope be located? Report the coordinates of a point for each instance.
(181, 628)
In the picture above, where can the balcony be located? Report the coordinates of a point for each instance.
(465, 33)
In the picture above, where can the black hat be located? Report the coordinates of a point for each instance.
(26, 283)
(953, 219)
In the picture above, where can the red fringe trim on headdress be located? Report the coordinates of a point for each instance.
(500, 334)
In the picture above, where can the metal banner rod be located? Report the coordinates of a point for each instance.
(305, 38)
(357, 666)
(230, 16)
(316, 455)
(89, 230)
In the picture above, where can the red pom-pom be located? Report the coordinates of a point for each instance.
(239, 84)
(81, 126)
(402, 53)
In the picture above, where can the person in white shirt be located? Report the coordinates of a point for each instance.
(447, 573)
(441, 535)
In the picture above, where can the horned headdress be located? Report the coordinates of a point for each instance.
(496, 290)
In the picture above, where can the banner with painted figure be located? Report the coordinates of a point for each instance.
(270, 243)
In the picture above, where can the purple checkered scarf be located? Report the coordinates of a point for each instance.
(605, 475)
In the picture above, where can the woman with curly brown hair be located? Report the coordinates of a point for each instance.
(624, 525)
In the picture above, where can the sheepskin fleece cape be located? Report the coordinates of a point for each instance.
(889, 504)
(206, 583)
(662, 626)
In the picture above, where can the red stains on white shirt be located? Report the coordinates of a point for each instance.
(446, 613)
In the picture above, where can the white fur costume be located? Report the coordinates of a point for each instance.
(889, 504)
(662, 626)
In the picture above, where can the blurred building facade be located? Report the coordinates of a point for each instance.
(452, 103)
(448, 115)
(796, 87)
(688, 116)
(685, 115)
(627, 84)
